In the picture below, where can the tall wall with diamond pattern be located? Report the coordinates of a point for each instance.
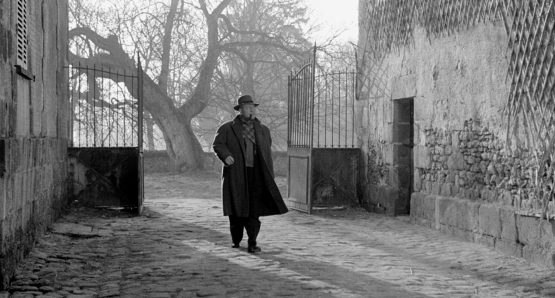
(478, 78)
(33, 124)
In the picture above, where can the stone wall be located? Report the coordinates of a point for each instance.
(470, 179)
(472, 188)
(448, 84)
(473, 164)
(33, 129)
(159, 162)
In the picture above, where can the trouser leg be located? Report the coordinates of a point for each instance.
(236, 225)
(252, 225)
(256, 191)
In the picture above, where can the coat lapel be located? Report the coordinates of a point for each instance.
(238, 130)
(260, 136)
(258, 132)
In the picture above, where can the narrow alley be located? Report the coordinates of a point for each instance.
(180, 247)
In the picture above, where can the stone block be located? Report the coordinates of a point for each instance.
(388, 154)
(485, 195)
(508, 225)
(455, 190)
(387, 198)
(461, 194)
(427, 187)
(11, 194)
(469, 194)
(489, 221)
(450, 178)
(422, 158)
(506, 198)
(419, 134)
(458, 213)
(422, 206)
(455, 140)
(403, 86)
(393, 176)
(477, 194)
(446, 189)
(547, 232)
(492, 196)
(436, 188)
(485, 240)
(463, 235)
(538, 256)
(509, 248)
(456, 232)
(446, 229)
(417, 186)
(528, 230)
(422, 222)
(456, 161)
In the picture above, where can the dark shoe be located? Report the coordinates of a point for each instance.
(253, 249)
(235, 245)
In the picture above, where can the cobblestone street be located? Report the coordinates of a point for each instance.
(180, 247)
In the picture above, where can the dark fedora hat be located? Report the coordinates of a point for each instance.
(244, 99)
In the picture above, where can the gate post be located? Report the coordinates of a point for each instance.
(140, 137)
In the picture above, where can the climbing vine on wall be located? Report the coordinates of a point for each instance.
(529, 24)
(532, 76)
(390, 24)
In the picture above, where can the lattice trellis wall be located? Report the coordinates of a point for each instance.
(389, 24)
(529, 24)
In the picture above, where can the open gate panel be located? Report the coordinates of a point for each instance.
(106, 161)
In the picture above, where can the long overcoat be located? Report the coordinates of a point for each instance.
(235, 192)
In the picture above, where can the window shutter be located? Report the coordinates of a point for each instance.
(22, 33)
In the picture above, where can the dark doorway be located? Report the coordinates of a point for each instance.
(403, 142)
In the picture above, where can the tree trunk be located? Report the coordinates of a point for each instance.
(181, 145)
(149, 132)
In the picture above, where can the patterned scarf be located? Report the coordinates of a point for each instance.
(248, 129)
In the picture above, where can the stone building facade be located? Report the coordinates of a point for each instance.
(455, 118)
(33, 124)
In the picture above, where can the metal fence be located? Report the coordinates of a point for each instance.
(105, 107)
(321, 108)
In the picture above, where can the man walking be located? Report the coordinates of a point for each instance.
(248, 187)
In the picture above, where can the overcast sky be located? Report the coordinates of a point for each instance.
(337, 14)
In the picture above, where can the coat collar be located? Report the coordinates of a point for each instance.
(237, 119)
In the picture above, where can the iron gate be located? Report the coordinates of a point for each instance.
(322, 158)
(300, 126)
(106, 157)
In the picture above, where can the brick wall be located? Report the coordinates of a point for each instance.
(33, 129)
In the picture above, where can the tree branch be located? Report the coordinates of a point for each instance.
(201, 94)
(231, 28)
(166, 47)
(226, 47)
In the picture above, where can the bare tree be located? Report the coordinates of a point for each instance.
(181, 57)
(257, 69)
